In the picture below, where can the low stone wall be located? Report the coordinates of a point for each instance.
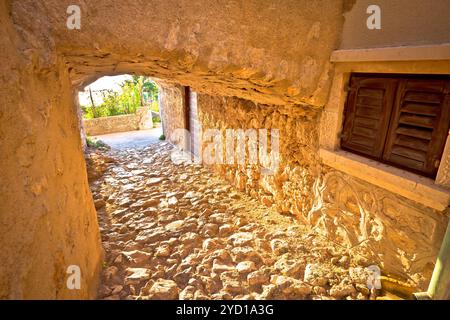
(400, 236)
(140, 120)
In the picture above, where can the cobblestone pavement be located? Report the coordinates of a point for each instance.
(131, 139)
(176, 232)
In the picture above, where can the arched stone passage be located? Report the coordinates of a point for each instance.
(229, 48)
(269, 62)
(45, 197)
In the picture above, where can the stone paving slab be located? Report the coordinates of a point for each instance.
(131, 139)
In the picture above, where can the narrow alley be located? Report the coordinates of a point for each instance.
(319, 132)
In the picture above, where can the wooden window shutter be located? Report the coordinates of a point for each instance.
(419, 125)
(368, 110)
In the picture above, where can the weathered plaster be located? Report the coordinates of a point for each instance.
(47, 217)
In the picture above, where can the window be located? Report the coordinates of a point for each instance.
(401, 120)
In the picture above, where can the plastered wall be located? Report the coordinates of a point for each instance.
(47, 218)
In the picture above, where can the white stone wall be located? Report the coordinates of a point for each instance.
(140, 120)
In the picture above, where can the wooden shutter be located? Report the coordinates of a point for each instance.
(419, 125)
(368, 111)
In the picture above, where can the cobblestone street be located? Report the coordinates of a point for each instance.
(175, 232)
(319, 134)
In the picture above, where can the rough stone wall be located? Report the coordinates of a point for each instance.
(400, 236)
(142, 119)
(47, 217)
(171, 106)
(290, 187)
(112, 124)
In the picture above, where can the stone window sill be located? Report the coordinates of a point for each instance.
(404, 53)
(414, 187)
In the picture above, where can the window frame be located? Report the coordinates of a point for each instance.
(431, 60)
(401, 79)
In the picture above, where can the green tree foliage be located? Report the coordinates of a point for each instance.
(139, 91)
(152, 90)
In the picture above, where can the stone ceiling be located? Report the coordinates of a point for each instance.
(261, 50)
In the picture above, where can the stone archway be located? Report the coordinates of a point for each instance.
(48, 219)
